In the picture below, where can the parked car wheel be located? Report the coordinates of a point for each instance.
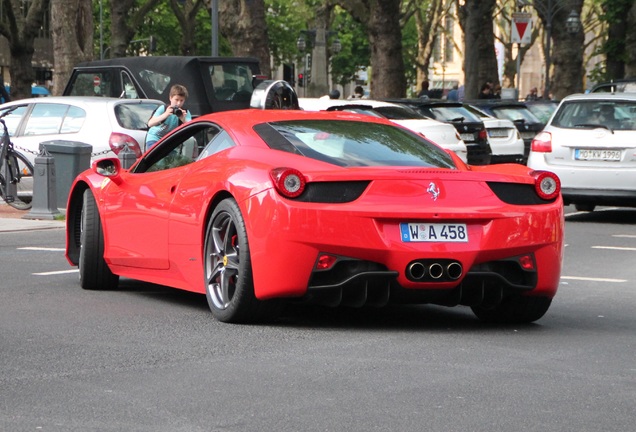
(517, 309)
(94, 273)
(228, 269)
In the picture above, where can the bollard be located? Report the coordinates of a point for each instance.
(71, 158)
(44, 189)
(127, 157)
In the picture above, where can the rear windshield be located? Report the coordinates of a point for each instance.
(616, 115)
(351, 144)
(399, 113)
(518, 114)
(135, 116)
(454, 114)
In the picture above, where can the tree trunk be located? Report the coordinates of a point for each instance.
(567, 55)
(426, 20)
(186, 14)
(242, 22)
(381, 19)
(124, 20)
(480, 60)
(630, 43)
(72, 31)
(385, 40)
(20, 27)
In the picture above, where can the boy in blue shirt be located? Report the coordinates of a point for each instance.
(167, 118)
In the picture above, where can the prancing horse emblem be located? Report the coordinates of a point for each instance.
(433, 190)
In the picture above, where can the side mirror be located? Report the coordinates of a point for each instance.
(108, 167)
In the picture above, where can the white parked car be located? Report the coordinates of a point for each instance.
(504, 138)
(442, 134)
(107, 124)
(590, 143)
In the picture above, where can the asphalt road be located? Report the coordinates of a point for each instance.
(149, 358)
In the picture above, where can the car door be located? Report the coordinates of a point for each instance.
(138, 210)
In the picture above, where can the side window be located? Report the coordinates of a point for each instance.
(45, 119)
(231, 82)
(156, 80)
(73, 120)
(130, 92)
(219, 141)
(13, 120)
(180, 150)
(93, 83)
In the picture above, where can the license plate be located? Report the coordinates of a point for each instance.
(433, 232)
(597, 155)
(528, 135)
(467, 137)
(498, 133)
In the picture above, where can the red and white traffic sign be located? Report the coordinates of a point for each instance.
(521, 29)
(96, 81)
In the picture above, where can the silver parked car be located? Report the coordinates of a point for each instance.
(504, 138)
(108, 124)
(590, 143)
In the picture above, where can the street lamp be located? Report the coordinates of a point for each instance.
(549, 9)
(573, 23)
(313, 44)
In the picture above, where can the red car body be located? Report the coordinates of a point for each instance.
(156, 226)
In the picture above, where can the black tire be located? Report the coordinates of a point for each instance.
(514, 310)
(229, 286)
(94, 273)
(23, 199)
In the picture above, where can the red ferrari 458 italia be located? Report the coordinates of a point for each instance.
(261, 207)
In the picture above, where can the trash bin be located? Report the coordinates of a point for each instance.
(71, 158)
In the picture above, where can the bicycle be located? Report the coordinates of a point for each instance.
(16, 172)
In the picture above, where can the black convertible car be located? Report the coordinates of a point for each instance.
(214, 83)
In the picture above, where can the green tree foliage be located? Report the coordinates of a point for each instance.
(354, 54)
(615, 14)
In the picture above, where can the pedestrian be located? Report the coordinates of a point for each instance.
(453, 95)
(460, 93)
(424, 90)
(358, 93)
(485, 92)
(333, 94)
(496, 93)
(532, 96)
(168, 117)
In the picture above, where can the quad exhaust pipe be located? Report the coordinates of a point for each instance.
(434, 270)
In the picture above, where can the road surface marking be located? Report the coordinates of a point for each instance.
(614, 248)
(56, 272)
(593, 279)
(33, 248)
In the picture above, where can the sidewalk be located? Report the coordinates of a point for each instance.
(11, 220)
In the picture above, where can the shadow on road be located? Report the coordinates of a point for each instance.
(388, 318)
(610, 216)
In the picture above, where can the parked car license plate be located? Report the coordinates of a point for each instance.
(528, 135)
(597, 155)
(498, 133)
(467, 137)
(433, 232)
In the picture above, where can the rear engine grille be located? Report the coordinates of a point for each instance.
(333, 192)
(517, 193)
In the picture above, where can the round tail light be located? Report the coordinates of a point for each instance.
(546, 184)
(289, 182)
